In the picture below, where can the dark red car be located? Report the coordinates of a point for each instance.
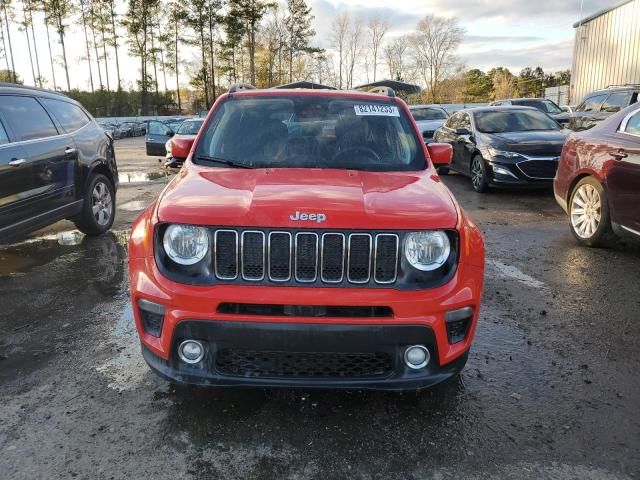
(598, 179)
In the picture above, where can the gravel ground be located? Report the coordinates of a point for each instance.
(551, 389)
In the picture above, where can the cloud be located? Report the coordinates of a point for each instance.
(551, 56)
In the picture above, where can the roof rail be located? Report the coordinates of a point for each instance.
(238, 87)
(388, 91)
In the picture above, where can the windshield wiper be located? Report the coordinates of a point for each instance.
(222, 161)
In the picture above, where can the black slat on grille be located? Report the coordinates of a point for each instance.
(539, 168)
(226, 257)
(306, 257)
(332, 257)
(322, 311)
(253, 255)
(359, 267)
(252, 363)
(386, 258)
(279, 256)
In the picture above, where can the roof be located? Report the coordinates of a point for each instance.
(498, 108)
(16, 88)
(427, 105)
(394, 84)
(600, 13)
(305, 84)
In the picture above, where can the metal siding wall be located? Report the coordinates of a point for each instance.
(609, 53)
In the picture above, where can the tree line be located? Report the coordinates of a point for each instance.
(190, 52)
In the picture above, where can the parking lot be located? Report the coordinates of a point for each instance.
(551, 389)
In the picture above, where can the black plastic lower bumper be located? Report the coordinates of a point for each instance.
(310, 343)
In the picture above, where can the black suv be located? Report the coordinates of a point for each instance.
(543, 104)
(602, 104)
(56, 162)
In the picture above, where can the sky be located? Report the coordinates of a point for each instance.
(511, 33)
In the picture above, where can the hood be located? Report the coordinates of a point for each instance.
(539, 142)
(430, 125)
(280, 198)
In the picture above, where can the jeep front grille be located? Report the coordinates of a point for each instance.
(305, 257)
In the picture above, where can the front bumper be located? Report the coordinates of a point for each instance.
(373, 356)
(523, 171)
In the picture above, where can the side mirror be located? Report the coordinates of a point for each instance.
(440, 153)
(462, 131)
(169, 133)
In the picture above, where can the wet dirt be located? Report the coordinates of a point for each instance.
(551, 389)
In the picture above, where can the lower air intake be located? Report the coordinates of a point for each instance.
(322, 365)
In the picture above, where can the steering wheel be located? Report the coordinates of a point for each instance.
(361, 149)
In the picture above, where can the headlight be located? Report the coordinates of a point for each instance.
(186, 244)
(502, 153)
(428, 250)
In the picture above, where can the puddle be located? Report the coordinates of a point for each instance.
(515, 273)
(126, 369)
(140, 177)
(134, 205)
(101, 252)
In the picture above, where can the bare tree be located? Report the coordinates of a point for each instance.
(503, 85)
(434, 45)
(354, 47)
(8, 13)
(47, 21)
(395, 53)
(86, 42)
(339, 40)
(114, 39)
(377, 28)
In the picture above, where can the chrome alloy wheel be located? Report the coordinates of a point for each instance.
(101, 204)
(586, 211)
(477, 173)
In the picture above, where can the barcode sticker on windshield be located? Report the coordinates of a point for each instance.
(377, 110)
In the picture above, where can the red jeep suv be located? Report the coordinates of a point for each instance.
(307, 241)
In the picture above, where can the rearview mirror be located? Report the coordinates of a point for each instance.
(440, 153)
(462, 131)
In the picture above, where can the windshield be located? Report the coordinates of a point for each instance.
(546, 106)
(310, 132)
(422, 114)
(513, 121)
(190, 128)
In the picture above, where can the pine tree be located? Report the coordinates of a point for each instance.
(7, 10)
(299, 28)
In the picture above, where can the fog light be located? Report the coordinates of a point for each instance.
(191, 351)
(416, 356)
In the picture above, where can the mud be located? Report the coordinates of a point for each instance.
(551, 389)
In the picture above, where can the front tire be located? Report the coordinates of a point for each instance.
(99, 207)
(479, 174)
(589, 215)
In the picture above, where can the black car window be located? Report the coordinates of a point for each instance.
(544, 105)
(616, 101)
(502, 121)
(633, 124)
(29, 120)
(591, 104)
(3, 135)
(427, 113)
(71, 117)
(372, 134)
